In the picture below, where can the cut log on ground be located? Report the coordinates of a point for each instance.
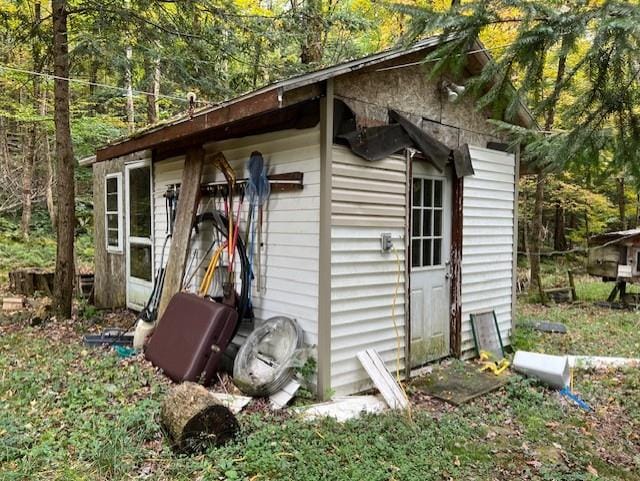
(28, 281)
(193, 419)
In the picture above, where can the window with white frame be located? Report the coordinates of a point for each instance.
(113, 212)
(427, 222)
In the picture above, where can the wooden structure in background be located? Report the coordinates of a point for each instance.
(615, 256)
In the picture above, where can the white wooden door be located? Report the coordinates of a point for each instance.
(139, 240)
(430, 250)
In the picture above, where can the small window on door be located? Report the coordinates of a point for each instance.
(113, 212)
(426, 222)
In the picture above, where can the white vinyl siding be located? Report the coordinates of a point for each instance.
(368, 198)
(487, 241)
(290, 227)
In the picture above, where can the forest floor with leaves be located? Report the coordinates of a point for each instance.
(72, 413)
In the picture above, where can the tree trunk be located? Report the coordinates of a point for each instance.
(45, 154)
(622, 203)
(559, 239)
(4, 142)
(311, 48)
(27, 180)
(537, 236)
(51, 203)
(256, 62)
(65, 166)
(32, 149)
(536, 226)
(193, 419)
(128, 85)
(128, 82)
(153, 77)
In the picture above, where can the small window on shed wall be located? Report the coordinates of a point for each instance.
(113, 212)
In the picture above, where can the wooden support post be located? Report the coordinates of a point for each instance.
(614, 292)
(185, 215)
(572, 285)
(456, 268)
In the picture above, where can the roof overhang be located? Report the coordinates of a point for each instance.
(196, 128)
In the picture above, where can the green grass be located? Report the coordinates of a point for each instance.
(39, 250)
(592, 330)
(68, 413)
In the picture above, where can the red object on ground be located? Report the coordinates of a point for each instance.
(190, 338)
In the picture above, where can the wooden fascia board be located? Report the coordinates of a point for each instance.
(243, 108)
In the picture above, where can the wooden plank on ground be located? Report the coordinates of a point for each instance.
(13, 303)
(185, 215)
(383, 380)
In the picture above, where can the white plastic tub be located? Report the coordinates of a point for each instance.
(551, 370)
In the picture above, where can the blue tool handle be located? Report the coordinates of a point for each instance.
(576, 399)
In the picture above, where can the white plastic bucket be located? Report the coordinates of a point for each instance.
(551, 370)
(142, 332)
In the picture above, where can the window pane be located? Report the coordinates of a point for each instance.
(437, 222)
(112, 185)
(112, 221)
(417, 191)
(437, 193)
(112, 202)
(140, 202)
(416, 218)
(415, 253)
(140, 262)
(427, 192)
(426, 252)
(112, 237)
(426, 224)
(437, 252)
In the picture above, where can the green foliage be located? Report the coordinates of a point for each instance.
(307, 372)
(592, 330)
(596, 43)
(90, 132)
(585, 210)
(68, 412)
(40, 249)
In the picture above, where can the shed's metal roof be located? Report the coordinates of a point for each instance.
(262, 102)
(614, 237)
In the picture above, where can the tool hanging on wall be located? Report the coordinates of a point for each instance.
(229, 174)
(258, 190)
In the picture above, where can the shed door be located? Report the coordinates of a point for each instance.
(430, 245)
(139, 245)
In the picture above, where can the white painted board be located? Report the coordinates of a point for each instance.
(381, 377)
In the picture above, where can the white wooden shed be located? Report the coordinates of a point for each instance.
(453, 236)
